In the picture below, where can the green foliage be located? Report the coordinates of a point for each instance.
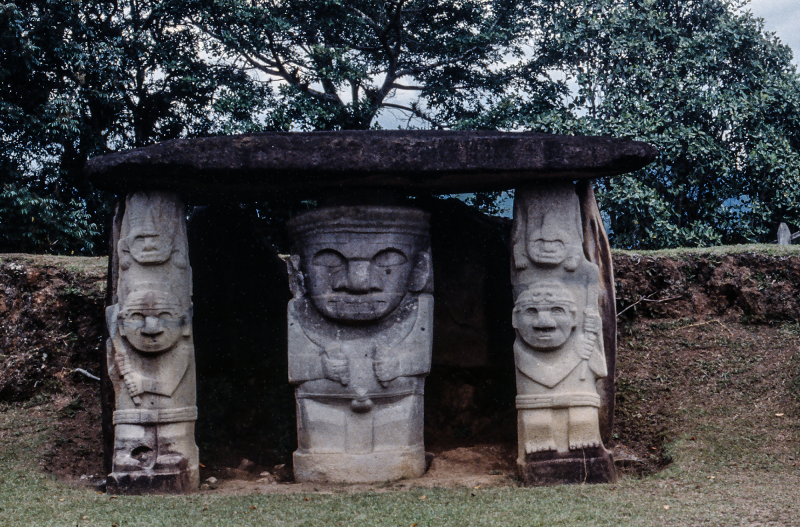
(700, 80)
(35, 224)
(340, 64)
(697, 78)
(83, 78)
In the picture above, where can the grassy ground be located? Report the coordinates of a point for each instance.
(761, 248)
(727, 395)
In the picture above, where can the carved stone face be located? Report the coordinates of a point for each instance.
(151, 322)
(544, 318)
(148, 246)
(358, 276)
(550, 246)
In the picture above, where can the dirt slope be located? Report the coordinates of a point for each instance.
(708, 340)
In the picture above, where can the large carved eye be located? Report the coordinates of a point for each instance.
(135, 317)
(389, 258)
(166, 316)
(557, 310)
(531, 311)
(329, 258)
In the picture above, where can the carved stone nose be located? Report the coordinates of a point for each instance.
(152, 326)
(544, 320)
(358, 276)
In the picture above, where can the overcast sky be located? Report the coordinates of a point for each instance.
(783, 18)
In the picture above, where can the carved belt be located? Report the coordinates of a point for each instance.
(155, 416)
(561, 400)
(417, 390)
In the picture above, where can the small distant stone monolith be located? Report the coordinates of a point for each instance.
(360, 328)
(784, 235)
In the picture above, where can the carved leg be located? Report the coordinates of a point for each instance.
(135, 448)
(398, 424)
(359, 433)
(584, 428)
(537, 430)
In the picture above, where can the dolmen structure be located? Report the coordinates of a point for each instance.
(360, 321)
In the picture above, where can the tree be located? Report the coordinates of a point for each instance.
(703, 82)
(83, 78)
(339, 64)
(697, 78)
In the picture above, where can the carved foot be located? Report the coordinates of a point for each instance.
(533, 447)
(584, 428)
(584, 444)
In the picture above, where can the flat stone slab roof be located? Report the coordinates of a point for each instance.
(253, 165)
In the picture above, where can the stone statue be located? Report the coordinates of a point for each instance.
(559, 347)
(360, 333)
(150, 351)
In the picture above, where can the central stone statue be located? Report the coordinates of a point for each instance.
(360, 334)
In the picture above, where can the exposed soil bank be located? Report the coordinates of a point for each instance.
(696, 328)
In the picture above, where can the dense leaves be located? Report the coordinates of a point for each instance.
(701, 81)
(82, 78)
(698, 78)
(339, 64)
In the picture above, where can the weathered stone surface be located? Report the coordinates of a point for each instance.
(598, 251)
(252, 166)
(150, 356)
(360, 327)
(559, 351)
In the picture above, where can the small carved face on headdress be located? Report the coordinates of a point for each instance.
(552, 243)
(148, 246)
(149, 227)
(360, 277)
(545, 316)
(152, 322)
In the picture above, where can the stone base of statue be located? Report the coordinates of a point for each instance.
(169, 479)
(154, 459)
(360, 468)
(583, 465)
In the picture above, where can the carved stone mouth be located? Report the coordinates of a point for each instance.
(360, 306)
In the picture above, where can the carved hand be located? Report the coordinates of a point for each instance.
(592, 323)
(586, 349)
(335, 365)
(520, 261)
(386, 367)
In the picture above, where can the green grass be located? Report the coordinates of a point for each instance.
(709, 484)
(90, 266)
(722, 250)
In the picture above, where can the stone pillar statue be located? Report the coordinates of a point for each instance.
(559, 352)
(150, 352)
(360, 333)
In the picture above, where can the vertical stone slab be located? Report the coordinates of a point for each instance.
(360, 332)
(784, 235)
(598, 251)
(150, 352)
(559, 349)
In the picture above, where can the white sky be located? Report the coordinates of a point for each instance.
(783, 18)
